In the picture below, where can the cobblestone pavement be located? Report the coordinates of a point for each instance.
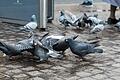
(104, 66)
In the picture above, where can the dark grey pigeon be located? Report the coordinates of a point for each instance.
(61, 45)
(56, 44)
(49, 41)
(83, 48)
(17, 48)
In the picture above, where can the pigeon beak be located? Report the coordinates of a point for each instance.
(4, 55)
(59, 11)
(75, 36)
(35, 44)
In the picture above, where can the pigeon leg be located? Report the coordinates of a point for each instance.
(83, 58)
(11, 58)
(63, 53)
(65, 27)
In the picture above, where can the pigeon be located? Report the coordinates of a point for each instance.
(31, 26)
(92, 20)
(56, 44)
(97, 28)
(16, 48)
(63, 19)
(71, 17)
(41, 52)
(82, 48)
(68, 19)
(95, 20)
(117, 25)
(48, 41)
(61, 45)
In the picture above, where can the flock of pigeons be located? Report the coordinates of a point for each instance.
(51, 45)
(95, 24)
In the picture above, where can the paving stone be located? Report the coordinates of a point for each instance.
(13, 66)
(47, 71)
(44, 66)
(107, 68)
(73, 78)
(117, 60)
(87, 78)
(58, 68)
(108, 63)
(68, 65)
(20, 76)
(1, 65)
(55, 78)
(34, 73)
(108, 79)
(112, 73)
(28, 68)
(3, 69)
(100, 76)
(95, 71)
(15, 71)
(115, 77)
(97, 65)
(116, 70)
(116, 65)
(83, 74)
(36, 78)
(2, 76)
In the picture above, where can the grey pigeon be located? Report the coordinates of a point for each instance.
(68, 19)
(31, 26)
(56, 44)
(83, 48)
(63, 20)
(41, 52)
(48, 42)
(17, 48)
(92, 20)
(97, 28)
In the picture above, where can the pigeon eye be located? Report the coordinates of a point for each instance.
(66, 40)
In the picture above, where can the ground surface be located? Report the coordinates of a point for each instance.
(104, 66)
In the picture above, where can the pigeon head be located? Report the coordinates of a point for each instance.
(62, 12)
(86, 20)
(68, 40)
(85, 17)
(33, 18)
(95, 15)
(71, 39)
(3, 47)
(1, 44)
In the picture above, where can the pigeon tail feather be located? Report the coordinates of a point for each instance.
(97, 50)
